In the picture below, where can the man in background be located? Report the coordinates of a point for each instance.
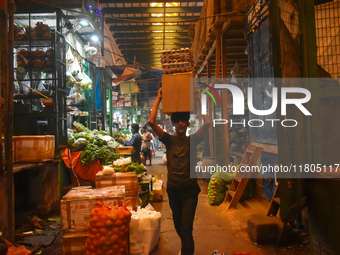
(147, 137)
(136, 142)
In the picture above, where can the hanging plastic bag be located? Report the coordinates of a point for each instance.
(23, 88)
(74, 69)
(69, 56)
(41, 86)
(86, 82)
(70, 80)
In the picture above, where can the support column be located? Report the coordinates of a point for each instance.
(211, 135)
(225, 101)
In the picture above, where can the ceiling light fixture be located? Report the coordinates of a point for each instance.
(94, 38)
(173, 4)
(83, 23)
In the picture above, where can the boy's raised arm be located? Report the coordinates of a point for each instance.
(152, 119)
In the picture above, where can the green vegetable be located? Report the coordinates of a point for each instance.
(131, 167)
(117, 135)
(80, 127)
(218, 186)
(92, 152)
(79, 144)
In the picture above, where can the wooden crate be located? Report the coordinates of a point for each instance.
(125, 150)
(33, 148)
(128, 179)
(74, 243)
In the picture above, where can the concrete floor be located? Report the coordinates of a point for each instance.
(215, 227)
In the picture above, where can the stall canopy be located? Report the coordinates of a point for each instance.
(124, 73)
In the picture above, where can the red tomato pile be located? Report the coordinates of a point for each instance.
(108, 230)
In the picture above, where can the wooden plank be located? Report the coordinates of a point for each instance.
(240, 181)
(211, 137)
(270, 148)
(218, 52)
(225, 101)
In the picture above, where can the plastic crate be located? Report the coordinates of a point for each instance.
(34, 148)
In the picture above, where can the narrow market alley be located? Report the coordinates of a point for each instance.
(215, 227)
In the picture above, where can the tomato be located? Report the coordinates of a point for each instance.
(99, 251)
(114, 239)
(100, 224)
(114, 216)
(95, 242)
(102, 231)
(102, 240)
(118, 223)
(92, 248)
(123, 244)
(93, 230)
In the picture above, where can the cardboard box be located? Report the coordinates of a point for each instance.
(128, 180)
(176, 92)
(33, 148)
(74, 243)
(77, 205)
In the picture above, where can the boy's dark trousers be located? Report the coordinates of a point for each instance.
(183, 204)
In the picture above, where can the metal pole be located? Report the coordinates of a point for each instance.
(9, 127)
(136, 107)
(110, 112)
(131, 116)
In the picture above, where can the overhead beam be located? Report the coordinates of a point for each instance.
(180, 44)
(137, 52)
(148, 1)
(128, 41)
(136, 35)
(109, 19)
(149, 10)
(143, 47)
(116, 29)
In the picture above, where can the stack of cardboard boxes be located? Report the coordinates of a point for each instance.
(76, 207)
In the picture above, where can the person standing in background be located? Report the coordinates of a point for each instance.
(136, 142)
(147, 137)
